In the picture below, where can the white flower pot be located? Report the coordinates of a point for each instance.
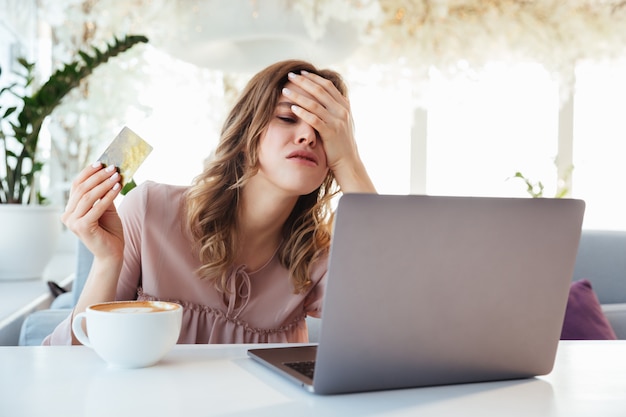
(28, 240)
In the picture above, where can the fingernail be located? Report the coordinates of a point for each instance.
(96, 164)
(114, 177)
(294, 108)
(116, 186)
(304, 72)
(291, 75)
(286, 91)
(110, 168)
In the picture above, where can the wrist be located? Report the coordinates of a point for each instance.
(354, 178)
(110, 265)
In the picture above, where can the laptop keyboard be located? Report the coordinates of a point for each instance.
(306, 368)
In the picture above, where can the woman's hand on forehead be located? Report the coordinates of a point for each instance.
(327, 111)
(323, 90)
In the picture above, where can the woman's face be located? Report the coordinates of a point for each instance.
(291, 154)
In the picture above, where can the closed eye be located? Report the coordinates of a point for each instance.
(287, 119)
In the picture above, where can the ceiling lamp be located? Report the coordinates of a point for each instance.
(245, 36)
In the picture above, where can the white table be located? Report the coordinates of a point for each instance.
(589, 379)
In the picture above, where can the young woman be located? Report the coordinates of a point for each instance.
(244, 248)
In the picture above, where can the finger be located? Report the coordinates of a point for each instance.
(86, 215)
(318, 116)
(82, 177)
(86, 180)
(306, 103)
(310, 118)
(90, 171)
(319, 87)
(88, 222)
(84, 194)
(331, 114)
(97, 193)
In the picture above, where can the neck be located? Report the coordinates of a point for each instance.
(260, 224)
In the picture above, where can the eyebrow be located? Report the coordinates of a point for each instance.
(284, 104)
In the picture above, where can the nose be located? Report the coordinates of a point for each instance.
(306, 135)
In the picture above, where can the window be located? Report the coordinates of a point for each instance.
(599, 176)
(479, 132)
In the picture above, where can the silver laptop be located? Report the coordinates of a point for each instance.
(426, 290)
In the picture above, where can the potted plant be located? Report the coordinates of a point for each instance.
(24, 219)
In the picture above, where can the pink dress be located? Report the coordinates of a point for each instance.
(159, 264)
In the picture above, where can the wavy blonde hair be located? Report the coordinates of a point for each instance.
(212, 201)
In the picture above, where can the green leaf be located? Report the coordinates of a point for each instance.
(8, 88)
(41, 199)
(128, 186)
(37, 167)
(9, 111)
(86, 57)
(24, 63)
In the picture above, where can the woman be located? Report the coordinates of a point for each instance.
(244, 249)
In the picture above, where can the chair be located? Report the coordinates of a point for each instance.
(41, 323)
(601, 259)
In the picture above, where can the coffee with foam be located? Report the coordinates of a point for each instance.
(130, 334)
(135, 307)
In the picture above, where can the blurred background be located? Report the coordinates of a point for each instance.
(450, 97)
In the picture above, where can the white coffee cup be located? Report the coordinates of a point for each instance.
(130, 334)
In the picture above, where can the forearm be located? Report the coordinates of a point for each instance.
(100, 286)
(354, 178)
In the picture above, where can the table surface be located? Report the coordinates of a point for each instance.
(589, 379)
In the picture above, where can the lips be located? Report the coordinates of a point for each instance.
(304, 155)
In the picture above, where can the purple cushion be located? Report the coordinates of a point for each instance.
(584, 319)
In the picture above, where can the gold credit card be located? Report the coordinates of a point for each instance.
(127, 152)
